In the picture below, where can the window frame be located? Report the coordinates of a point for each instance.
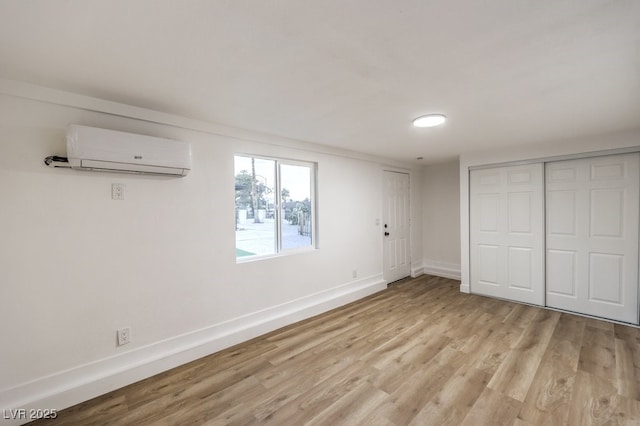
(278, 217)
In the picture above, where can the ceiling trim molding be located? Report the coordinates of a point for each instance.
(68, 99)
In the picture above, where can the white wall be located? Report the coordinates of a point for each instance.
(441, 219)
(528, 152)
(416, 198)
(77, 265)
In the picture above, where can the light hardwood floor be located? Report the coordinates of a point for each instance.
(418, 353)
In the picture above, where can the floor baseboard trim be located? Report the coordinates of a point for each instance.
(70, 387)
(441, 269)
(417, 271)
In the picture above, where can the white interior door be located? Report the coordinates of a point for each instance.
(395, 219)
(592, 236)
(507, 233)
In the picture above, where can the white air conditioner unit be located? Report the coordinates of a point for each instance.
(90, 148)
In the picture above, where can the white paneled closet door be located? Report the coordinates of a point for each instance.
(592, 236)
(507, 233)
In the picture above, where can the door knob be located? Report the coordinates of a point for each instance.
(386, 234)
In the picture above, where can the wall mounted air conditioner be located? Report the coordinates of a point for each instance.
(90, 148)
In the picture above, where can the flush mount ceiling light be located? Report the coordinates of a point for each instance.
(430, 120)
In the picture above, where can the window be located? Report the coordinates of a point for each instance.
(275, 206)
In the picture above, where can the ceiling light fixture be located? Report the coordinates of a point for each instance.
(430, 120)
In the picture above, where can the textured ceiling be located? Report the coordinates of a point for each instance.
(352, 73)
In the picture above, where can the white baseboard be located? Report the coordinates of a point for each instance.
(464, 288)
(416, 270)
(442, 269)
(70, 387)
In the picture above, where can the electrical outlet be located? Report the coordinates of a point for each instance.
(117, 191)
(124, 336)
(354, 273)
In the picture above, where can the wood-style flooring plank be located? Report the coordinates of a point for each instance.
(549, 395)
(452, 402)
(598, 403)
(351, 408)
(492, 408)
(551, 389)
(92, 412)
(516, 373)
(417, 353)
(409, 397)
(435, 352)
(626, 373)
(598, 354)
(314, 402)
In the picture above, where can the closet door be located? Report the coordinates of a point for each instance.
(507, 233)
(592, 236)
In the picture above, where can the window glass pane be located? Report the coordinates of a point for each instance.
(255, 206)
(296, 226)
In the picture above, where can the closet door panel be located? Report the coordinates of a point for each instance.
(562, 269)
(592, 236)
(507, 233)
